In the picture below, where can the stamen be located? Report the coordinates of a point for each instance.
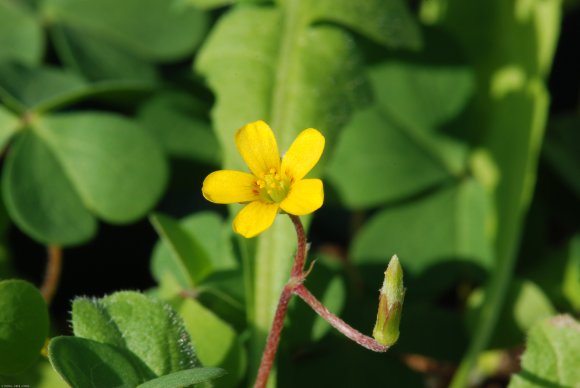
(273, 186)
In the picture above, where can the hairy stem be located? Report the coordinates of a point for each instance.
(297, 276)
(273, 340)
(337, 323)
(53, 270)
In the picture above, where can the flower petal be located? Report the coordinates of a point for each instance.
(255, 218)
(304, 197)
(303, 154)
(226, 186)
(258, 147)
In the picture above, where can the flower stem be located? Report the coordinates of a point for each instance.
(297, 276)
(53, 270)
(337, 323)
(273, 340)
(299, 260)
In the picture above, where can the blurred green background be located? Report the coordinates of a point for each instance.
(453, 141)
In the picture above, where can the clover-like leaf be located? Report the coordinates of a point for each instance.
(109, 39)
(448, 225)
(28, 88)
(388, 161)
(422, 95)
(177, 121)
(66, 170)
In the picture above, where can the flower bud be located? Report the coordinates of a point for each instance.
(386, 331)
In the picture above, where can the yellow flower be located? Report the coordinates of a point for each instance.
(274, 183)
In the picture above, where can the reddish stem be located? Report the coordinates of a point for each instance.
(336, 322)
(297, 278)
(295, 286)
(271, 348)
(299, 260)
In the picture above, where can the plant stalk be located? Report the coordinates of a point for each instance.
(337, 323)
(297, 276)
(53, 271)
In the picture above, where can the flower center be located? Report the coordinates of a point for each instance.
(274, 186)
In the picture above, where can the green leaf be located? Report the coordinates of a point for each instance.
(184, 378)
(23, 325)
(213, 338)
(206, 232)
(27, 88)
(20, 34)
(147, 327)
(446, 226)
(388, 22)
(563, 149)
(509, 115)
(176, 121)
(216, 342)
(39, 197)
(551, 358)
(525, 305)
(68, 168)
(377, 160)
(187, 260)
(9, 125)
(96, 58)
(422, 95)
(111, 39)
(322, 85)
(86, 363)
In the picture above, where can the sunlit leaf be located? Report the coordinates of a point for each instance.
(67, 169)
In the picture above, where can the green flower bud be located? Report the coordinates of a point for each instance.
(386, 331)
